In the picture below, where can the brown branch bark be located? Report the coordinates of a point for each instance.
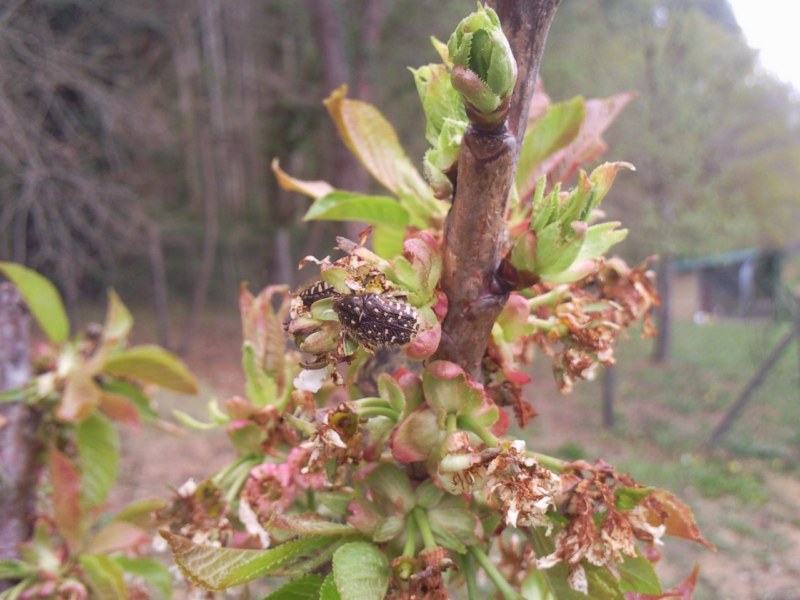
(18, 446)
(474, 235)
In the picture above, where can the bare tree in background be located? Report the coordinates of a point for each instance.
(70, 116)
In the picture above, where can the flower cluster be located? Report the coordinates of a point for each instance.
(577, 325)
(602, 526)
(520, 488)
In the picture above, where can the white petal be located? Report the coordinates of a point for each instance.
(188, 488)
(249, 519)
(311, 380)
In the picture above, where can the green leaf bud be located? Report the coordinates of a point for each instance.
(484, 69)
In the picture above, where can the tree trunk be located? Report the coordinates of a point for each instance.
(18, 423)
(474, 233)
(663, 343)
(342, 168)
(160, 288)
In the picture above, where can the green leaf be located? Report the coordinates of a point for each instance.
(636, 574)
(137, 397)
(328, 590)
(627, 498)
(554, 252)
(361, 572)
(305, 588)
(118, 321)
(98, 449)
(217, 569)
(373, 140)
(350, 206)
(152, 364)
(535, 587)
(388, 240)
(597, 241)
(390, 390)
(452, 524)
(392, 482)
(554, 130)
(156, 575)
(602, 584)
(16, 569)
(141, 512)
(42, 299)
(105, 577)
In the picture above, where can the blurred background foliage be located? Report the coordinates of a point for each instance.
(135, 138)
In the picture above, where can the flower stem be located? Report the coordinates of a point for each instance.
(377, 411)
(452, 422)
(370, 402)
(554, 296)
(405, 569)
(421, 518)
(496, 576)
(487, 437)
(543, 324)
(550, 462)
(469, 574)
(411, 538)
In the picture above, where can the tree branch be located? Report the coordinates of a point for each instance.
(474, 236)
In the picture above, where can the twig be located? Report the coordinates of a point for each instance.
(474, 237)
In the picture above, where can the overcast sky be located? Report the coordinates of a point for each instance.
(771, 27)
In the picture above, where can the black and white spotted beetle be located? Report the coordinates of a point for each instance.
(316, 291)
(375, 321)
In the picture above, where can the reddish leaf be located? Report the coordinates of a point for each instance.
(682, 591)
(262, 326)
(417, 436)
(66, 485)
(589, 144)
(680, 519)
(313, 189)
(118, 408)
(116, 536)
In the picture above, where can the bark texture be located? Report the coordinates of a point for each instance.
(18, 446)
(474, 236)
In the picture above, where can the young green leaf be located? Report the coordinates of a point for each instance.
(328, 590)
(350, 206)
(105, 577)
(42, 299)
(305, 588)
(98, 449)
(217, 569)
(636, 574)
(156, 575)
(361, 572)
(152, 364)
(16, 569)
(554, 130)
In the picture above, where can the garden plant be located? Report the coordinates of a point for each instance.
(374, 447)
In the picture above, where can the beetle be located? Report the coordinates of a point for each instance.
(375, 321)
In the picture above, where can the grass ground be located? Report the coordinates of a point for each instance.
(746, 495)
